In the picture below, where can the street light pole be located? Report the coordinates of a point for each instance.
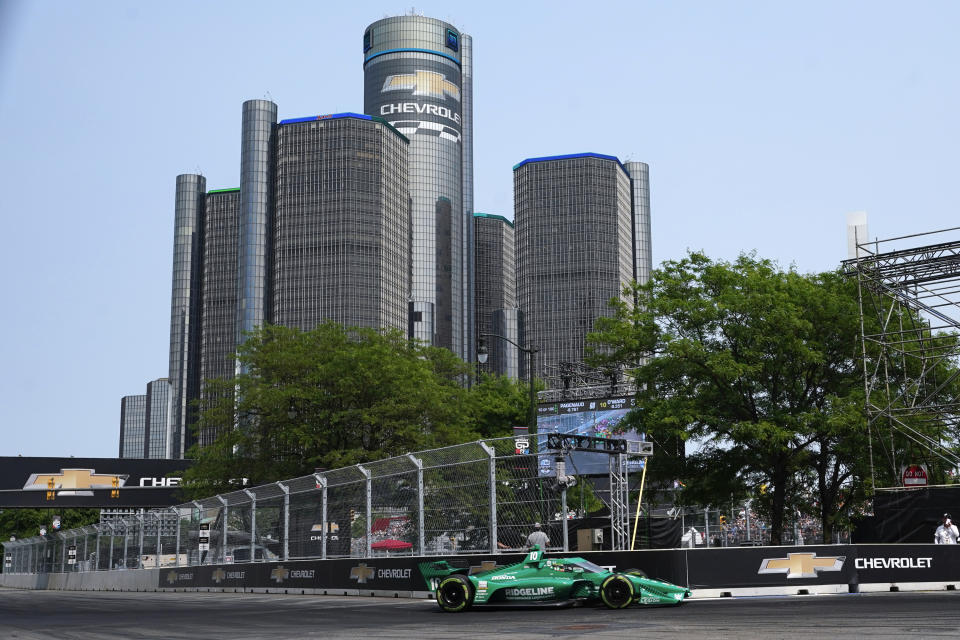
(531, 352)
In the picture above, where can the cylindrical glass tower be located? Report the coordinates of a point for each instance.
(639, 173)
(414, 74)
(184, 304)
(256, 186)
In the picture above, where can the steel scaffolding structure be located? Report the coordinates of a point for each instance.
(912, 290)
(578, 381)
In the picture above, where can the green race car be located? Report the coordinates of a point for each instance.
(541, 581)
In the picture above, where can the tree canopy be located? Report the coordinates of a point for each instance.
(760, 367)
(332, 397)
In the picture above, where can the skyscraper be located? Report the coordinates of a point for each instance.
(496, 290)
(318, 230)
(341, 230)
(184, 306)
(583, 232)
(144, 422)
(418, 76)
(133, 420)
(218, 320)
(257, 141)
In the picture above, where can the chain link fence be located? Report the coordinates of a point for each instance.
(479, 497)
(736, 524)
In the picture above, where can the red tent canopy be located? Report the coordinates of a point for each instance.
(391, 545)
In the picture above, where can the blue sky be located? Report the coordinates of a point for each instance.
(763, 125)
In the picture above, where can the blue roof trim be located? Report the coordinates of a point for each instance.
(572, 155)
(332, 116)
(436, 53)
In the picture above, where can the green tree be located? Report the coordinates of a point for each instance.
(333, 397)
(26, 523)
(751, 362)
(498, 403)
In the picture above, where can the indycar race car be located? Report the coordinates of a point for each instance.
(541, 581)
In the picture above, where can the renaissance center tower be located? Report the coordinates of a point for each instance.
(418, 77)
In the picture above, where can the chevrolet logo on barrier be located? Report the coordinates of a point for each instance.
(801, 565)
(171, 577)
(423, 83)
(70, 479)
(362, 573)
(218, 575)
(279, 574)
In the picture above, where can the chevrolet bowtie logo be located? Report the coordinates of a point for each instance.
(423, 83)
(218, 575)
(362, 573)
(279, 574)
(74, 479)
(801, 565)
(172, 577)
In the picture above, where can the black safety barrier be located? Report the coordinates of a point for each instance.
(729, 568)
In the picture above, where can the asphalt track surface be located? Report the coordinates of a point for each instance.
(72, 615)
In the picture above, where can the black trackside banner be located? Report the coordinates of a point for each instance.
(416, 96)
(730, 568)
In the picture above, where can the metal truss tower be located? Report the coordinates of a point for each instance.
(577, 381)
(913, 295)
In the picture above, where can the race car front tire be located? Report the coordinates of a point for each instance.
(455, 593)
(617, 591)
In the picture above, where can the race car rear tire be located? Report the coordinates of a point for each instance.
(455, 593)
(640, 573)
(616, 591)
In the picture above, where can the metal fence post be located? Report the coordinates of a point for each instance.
(369, 485)
(322, 485)
(225, 511)
(706, 525)
(126, 541)
(253, 523)
(96, 567)
(158, 548)
(86, 548)
(563, 515)
(113, 534)
(199, 522)
(421, 535)
(141, 519)
(286, 520)
(492, 481)
(63, 553)
(176, 550)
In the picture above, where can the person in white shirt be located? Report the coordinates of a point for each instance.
(947, 533)
(538, 537)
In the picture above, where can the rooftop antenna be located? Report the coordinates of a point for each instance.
(268, 96)
(199, 171)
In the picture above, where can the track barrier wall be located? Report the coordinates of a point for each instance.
(707, 572)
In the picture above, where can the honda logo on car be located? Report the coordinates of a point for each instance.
(893, 563)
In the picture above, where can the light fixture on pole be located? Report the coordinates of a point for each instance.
(482, 356)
